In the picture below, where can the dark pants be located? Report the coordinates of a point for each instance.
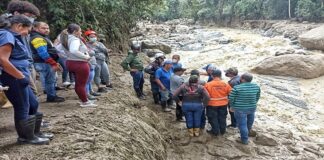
(155, 91)
(81, 70)
(217, 118)
(233, 120)
(138, 80)
(192, 112)
(203, 118)
(179, 112)
(21, 96)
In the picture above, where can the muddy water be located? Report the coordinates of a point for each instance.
(290, 112)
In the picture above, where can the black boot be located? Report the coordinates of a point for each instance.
(139, 94)
(164, 106)
(25, 130)
(38, 133)
(156, 97)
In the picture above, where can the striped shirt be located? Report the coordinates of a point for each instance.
(245, 96)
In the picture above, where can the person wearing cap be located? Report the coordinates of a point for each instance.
(209, 69)
(162, 78)
(45, 57)
(195, 97)
(101, 56)
(243, 101)
(232, 73)
(134, 64)
(203, 114)
(176, 81)
(151, 69)
(217, 106)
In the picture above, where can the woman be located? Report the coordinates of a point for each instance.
(101, 54)
(194, 97)
(77, 61)
(15, 75)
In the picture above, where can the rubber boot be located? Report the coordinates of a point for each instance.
(196, 131)
(38, 133)
(191, 132)
(164, 106)
(26, 130)
(156, 98)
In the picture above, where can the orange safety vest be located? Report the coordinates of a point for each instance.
(218, 91)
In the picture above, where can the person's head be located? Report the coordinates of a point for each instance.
(193, 79)
(246, 78)
(167, 64)
(42, 28)
(231, 72)
(91, 35)
(216, 73)
(74, 29)
(179, 71)
(195, 72)
(17, 7)
(175, 58)
(209, 68)
(159, 57)
(20, 24)
(136, 47)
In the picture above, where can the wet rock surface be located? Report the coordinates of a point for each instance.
(313, 39)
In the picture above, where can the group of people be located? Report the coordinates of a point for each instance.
(25, 49)
(196, 99)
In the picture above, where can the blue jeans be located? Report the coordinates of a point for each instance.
(192, 112)
(217, 118)
(138, 79)
(244, 120)
(21, 96)
(203, 118)
(65, 71)
(90, 79)
(165, 95)
(48, 76)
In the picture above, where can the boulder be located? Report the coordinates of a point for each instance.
(265, 140)
(151, 52)
(156, 45)
(313, 39)
(290, 51)
(182, 29)
(300, 66)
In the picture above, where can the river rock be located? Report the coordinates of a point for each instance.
(182, 29)
(300, 66)
(265, 140)
(313, 39)
(156, 45)
(151, 52)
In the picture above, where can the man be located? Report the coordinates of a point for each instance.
(45, 59)
(217, 106)
(232, 73)
(134, 64)
(31, 12)
(176, 81)
(243, 100)
(209, 69)
(203, 115)
(162, 78)
(151, 69)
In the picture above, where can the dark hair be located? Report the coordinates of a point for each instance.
(64, 36)
(193, 80)
(247, 77)
(217, 73)
(7, 21)
(176, 56)
(38, 24)
(22, 7)
(195, 72)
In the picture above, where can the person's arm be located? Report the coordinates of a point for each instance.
(40, 45)
(157, 80)
(206, 97)
(5, 52)
(149, 69)
(232, 96)
(74, 49)
(176, 94)
(258, 94)
(125, 63)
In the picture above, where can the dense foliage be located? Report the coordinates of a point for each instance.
(221, 10)
(113, 18)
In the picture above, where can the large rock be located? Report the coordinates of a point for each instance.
(151, 52)
(300, 66)
(313, 39)
(156, 45)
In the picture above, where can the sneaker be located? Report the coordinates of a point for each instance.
(167, 110)
(95, 94)
(102, 90)
(88, 104)
(92, 98)
(109, 86)
(67, 84)
(59, 88)
(55, 99)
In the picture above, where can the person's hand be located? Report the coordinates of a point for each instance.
(23, 82)
(163, 88)
(134, 70)
(180, 103)
(231, 109)
(57, 68)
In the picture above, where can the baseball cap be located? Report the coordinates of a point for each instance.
(168, 61)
